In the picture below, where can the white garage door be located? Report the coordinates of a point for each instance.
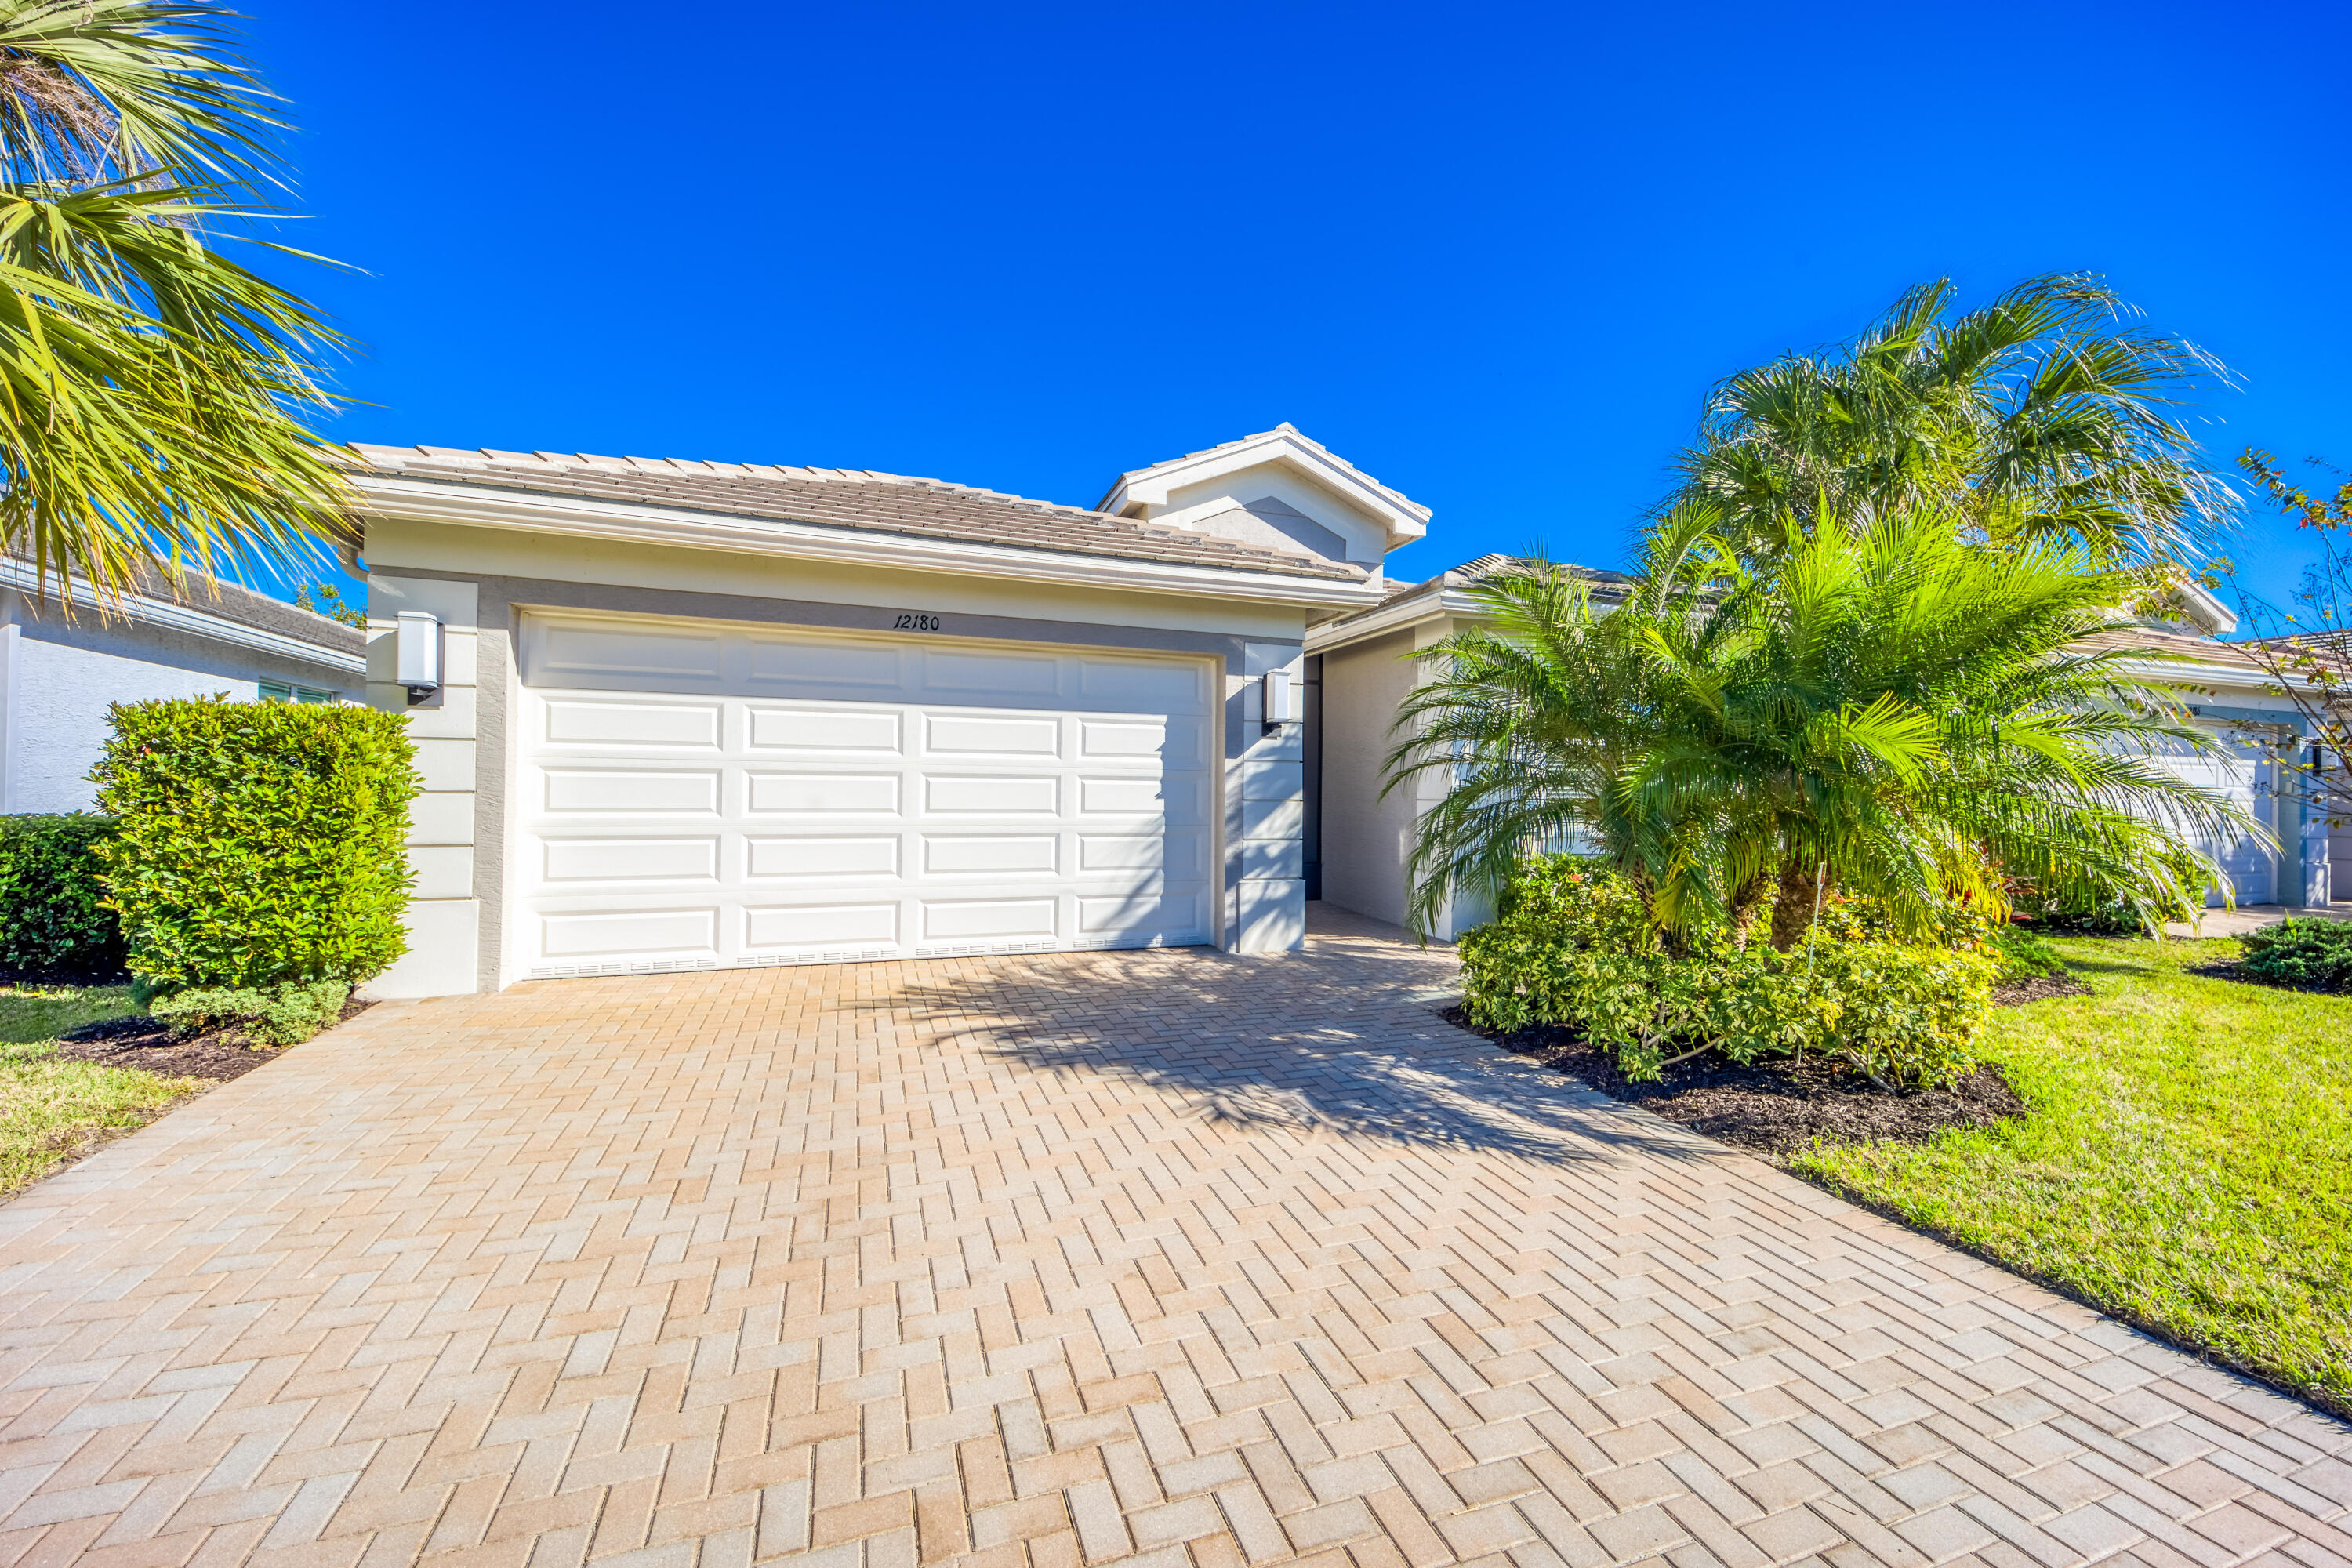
(2240, 774)
(694, 795)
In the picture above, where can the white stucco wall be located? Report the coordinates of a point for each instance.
(62, 675)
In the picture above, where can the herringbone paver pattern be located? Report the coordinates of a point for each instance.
(1166, 1258)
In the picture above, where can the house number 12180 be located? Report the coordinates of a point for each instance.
(912, 622)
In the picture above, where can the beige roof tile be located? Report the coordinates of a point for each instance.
(840, 497)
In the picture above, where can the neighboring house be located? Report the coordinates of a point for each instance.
(699, 715)
(1363, 666)
(61, 667)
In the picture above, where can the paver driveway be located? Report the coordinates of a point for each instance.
(1167, 1255)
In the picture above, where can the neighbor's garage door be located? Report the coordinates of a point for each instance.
(2240, 774)
(694, 795)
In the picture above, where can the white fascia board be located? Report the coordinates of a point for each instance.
(2236, 677)
(621, 522)
(139, 610)
(1407, 610)
(1405, 520)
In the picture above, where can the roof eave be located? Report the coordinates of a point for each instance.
(477, 506)
(1400, 614)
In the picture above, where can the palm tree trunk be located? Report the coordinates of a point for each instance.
(1792, 907)
(1749, 902)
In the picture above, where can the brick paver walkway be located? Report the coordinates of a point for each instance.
(1166, 1258)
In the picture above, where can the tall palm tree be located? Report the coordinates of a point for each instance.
(2044, 415)
(1885, 708)
(151, 389)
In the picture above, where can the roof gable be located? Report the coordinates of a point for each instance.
(1279, 465)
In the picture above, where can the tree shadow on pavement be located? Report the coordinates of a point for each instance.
(1344, 1038)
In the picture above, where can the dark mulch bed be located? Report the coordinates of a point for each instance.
(2040, 988)
(2238, 971)
(1774, 1108)
(148, 1046)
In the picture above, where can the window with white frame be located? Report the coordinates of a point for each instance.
(283, 692)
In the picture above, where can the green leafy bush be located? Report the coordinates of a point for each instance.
(259, 844)
(281, 1015)
(1572, 946)
(2082, 911)
(2024, 956)
(54, 921)
(2315, 954)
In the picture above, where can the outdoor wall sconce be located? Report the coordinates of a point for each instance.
(420, 654)
(1281, 699)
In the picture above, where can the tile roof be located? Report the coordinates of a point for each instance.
(841, 498)
(245, 607)
(1606, 586)
(2179, 644)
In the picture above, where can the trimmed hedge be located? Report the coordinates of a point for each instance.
(54, 922)
(1573, 946)
(260, 844)
(283, 1015)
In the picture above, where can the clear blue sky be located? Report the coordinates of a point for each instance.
(1493, 254)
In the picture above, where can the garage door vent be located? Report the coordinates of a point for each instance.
(848, 955)
(625, 966)
(978, 950)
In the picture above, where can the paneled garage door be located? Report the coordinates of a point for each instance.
(2242, 774)
(695, 795)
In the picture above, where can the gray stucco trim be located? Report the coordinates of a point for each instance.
(503, 601)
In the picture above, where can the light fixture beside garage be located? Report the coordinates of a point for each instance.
(419, 654)
(1281, 704)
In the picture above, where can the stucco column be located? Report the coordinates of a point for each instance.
(1269, 780)
(444, 916)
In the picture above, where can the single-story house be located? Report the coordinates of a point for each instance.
(63, 663)
(678, 715)
(1360, 667)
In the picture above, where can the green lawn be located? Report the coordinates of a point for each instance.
(50, 1109)
(2187, 1163)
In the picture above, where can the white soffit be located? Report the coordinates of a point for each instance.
(1148, 493)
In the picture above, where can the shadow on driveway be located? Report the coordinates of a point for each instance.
(1344, 1037)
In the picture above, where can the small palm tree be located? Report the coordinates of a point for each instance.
(151, 389)
(2042, 417)
(1882, 708)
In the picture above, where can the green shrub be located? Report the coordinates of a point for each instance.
(54, 921)
(2083, 911)
(2024, 956)
(2316, 953)
(1573, 947)
(259, 845)
(281, 1015)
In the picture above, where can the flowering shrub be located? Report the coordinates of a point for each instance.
(1573, 946)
